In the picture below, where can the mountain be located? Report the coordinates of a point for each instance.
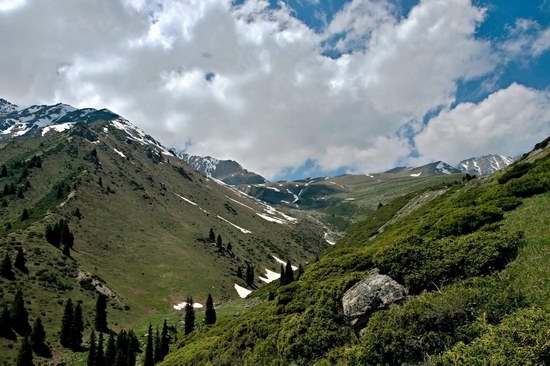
(6, 107)
(140, 218)
(449, 275)
(428, 170)
(228, 171)
(484, 165)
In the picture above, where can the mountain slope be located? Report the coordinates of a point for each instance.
(142, 235)
(472, 258)
(484, 165)
(228, 171)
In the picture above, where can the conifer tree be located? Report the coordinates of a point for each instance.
(77, 326)
(77, 213)
(38, 337)
(212, 236)
(110, 352)
(270, 296)
(210, 314)
(219, 243)
(92, 354)
(20, 194)
(100, 182)
(189, 316)
(149, 359)
(5, 324)
(25, 214)
(4, 171)
(19, 316)
(300, 271)
(239, 272)
(20, 260)
(282, 278)
(66, 324)
(101, 314)
(289, 273)
(249, 275)
(100, 356)
(164, 341)
(229, 247)
(6, 267)
(158, 352)
(66, 250)
(24, 357)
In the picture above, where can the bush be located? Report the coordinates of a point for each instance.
(516, 171)
(464, 220)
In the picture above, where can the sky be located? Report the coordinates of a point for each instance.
(294, 88)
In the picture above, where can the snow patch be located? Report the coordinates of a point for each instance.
(186, 200)
(270, 219)
(181, 305)
(416, 174)
(279, 260)
(270, 276)
(120, 153)
(59, 128)
(243, 292)
(244, 231)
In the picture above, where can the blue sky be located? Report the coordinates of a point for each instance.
(294, 89)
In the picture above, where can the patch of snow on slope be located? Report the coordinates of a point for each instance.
(270, 219)
(279, 260)
(244, 231)
(181, 305)
(243, 292)
(120, 153)
(331, 242)
(416, 174)
(270, 276)
(273, 189)
(186, 200)
(240, 203)
(443, 168)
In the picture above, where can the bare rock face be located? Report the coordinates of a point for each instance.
(376, 292)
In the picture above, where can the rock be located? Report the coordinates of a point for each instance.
(376, 292)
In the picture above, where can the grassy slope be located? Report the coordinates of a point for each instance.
(144, 242)
(475, 281)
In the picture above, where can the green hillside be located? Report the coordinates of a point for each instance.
(141, 233)
(475, 260)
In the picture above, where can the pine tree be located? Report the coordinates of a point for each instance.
(210, 314)
(5, 324)
(219, 243)
(158, 351)
(212, 236)
(20, 317)
(38, 337)
(66, 324)
(189, 316)
(101, 314)
(4, 171)
(249, 275)
(99, 356)
(66, 250)
(6, 268)
(25, 214)
(164, 341)
(92, 354)
(229, 248)
(24, 358)
(100, 182)
(67, 238)
(289, 273)
(270, 296)
(239, 272)
(282, 278)
(77, 327)
(77, 213)
(20, 194)
(300, 271)
(149, 359)
(20, 260)
(110, 352)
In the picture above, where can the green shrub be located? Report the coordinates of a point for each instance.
(464, 220)
(516, 171)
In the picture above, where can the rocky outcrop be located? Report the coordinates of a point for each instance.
(376, 292)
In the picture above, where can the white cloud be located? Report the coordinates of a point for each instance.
(273, 100)
(506, 122)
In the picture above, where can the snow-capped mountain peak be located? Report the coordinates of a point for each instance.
(484, 165)
(6, 107)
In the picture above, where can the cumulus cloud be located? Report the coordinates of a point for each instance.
(250, 82)
(507, 122)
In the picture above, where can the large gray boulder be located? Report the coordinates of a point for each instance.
(376, 292)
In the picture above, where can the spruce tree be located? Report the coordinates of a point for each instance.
(66, 250)
(149, 359)
(164, 341)
(101, 314)
(25, 214)
(66, 324)
(239, 272)
(219, 243)
(210, 314)
(110, 352)
(6, 270)
(20, 260)
(38, 337)
(212, 236)
(300, 271)
(77, 326)
(282, 278)
(189, 319)
(19, 316)
(229, 248)
(158, 351)
(5, 324)
(249, 275)
(100, 356)
(24, 357)
(289, 273)
(92, 354)
(4, 171)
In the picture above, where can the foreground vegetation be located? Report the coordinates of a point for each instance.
(474, 259)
